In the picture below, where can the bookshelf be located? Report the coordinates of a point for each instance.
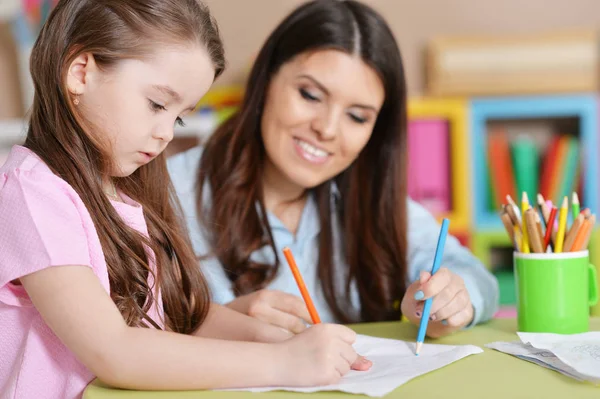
(573, 115)
(582, 107)
(455, 112)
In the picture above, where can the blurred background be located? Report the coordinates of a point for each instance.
(503, 98)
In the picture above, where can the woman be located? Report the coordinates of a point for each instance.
(315, 160)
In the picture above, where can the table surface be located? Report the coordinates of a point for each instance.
(495, 374)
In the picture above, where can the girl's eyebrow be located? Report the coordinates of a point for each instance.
(169, 92)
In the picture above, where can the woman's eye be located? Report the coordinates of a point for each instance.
(307, 96)
(358, 119)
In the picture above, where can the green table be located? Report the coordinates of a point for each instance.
(490, 374)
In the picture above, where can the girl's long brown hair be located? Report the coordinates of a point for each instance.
(113, 30)
(372, 209)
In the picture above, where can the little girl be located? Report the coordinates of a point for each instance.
(97, 277)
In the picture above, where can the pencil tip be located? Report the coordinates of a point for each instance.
(525, 198)
(540, 199)
(510, 200)
(575, 198)
(418, 348)
(565, 202)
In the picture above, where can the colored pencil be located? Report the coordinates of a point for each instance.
(301, 286)
(524, 206)
(575, 205)
(437, 260)
(573, 231)
(562, 225)
(549, 228)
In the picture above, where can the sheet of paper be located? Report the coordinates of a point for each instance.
(540, 357)
(580, 351)
(575, 355)
(394, 364)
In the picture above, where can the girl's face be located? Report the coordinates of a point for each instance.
(135, 106)
(320, 110)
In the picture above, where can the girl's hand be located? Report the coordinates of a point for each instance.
(321, 355)
(451, 309)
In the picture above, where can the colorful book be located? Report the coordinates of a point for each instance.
(500, 165)
(547, 169)
(556, 164)
(429, 160)
(491, 195)
(526, 166)
(568, 177)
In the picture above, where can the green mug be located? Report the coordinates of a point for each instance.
(554, 291)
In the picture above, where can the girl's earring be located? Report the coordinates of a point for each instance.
(76, 101)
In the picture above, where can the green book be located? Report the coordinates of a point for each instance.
(525, 157)
(569, 173)
(491, 195)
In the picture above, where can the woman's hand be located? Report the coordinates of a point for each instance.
(274, 307)
(451, 309)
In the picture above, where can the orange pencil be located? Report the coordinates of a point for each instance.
(573, 231)
(309, 303)
(510, 228)
(583, 236)
(586, 241)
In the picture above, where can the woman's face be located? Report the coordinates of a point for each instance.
(320, 110)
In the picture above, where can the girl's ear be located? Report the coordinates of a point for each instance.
(80, 73)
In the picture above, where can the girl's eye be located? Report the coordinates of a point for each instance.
(154, 107)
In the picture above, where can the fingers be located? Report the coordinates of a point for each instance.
(291, 304)
(342, 332)
(448, 293)
(361, 364)
(342, 367)
(458, 303)
(434, 285)
(445, 297)
(348, 353)
(347, 357)
(268, 314)
(424, 276)
(461, 318)
(280, 309)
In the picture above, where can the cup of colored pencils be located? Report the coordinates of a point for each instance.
(554, 281)
(544, 228)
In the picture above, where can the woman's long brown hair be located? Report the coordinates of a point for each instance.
(113, 30)
(372, 210)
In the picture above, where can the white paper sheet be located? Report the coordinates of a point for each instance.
(394, 363)
(540, 357)
(575, 355)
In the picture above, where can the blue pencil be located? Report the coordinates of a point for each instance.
(439, 251)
